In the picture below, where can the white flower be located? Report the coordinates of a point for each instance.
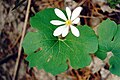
(67, 24)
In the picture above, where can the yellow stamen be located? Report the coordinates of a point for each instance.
(68, 22)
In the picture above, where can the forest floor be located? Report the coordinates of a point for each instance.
(11, 23)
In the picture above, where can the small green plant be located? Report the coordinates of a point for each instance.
(113, 3)
(51, 46)
(109, 41)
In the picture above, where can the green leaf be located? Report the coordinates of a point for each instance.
(106, 31)
(113, 3)
(54, 51)
(101, 54)
(109, 41)
(42, 19)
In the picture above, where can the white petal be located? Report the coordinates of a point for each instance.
(59, 30)
(65, 32)
(76, 21)
(60, 14)
(68, 11)
(75, 31)
(76, 13)
(57, 22)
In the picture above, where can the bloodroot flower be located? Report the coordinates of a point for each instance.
(68, 23)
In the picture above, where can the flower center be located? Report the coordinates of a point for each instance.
(68, 22)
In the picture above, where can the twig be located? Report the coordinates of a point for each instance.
(22, 37)
(15, 43)
(81, 3)
(91, 16)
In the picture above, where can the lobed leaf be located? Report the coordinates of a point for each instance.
(109, 41)
(54, 52)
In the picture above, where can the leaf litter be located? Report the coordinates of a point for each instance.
(10, 36)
